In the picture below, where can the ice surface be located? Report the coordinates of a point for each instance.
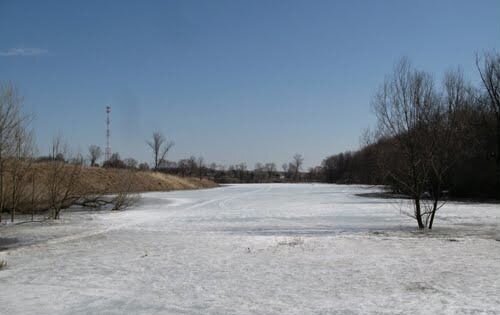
(256, 249)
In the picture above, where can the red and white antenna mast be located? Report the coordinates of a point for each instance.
(107, 151)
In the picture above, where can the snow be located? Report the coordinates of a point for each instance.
(256, 249)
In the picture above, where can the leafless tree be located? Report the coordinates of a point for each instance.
(241, 169)
(447, 135)
(405, 105)
(123, 195)
(126, 197)
(259, 172)
(131, 163)
(184, 167)
(489, 70)
(63, 180)
(270, 168)
(20, 167)
(160, 147)
(192, 165)
(95, 154)
(114, 161)
(200, 163)
(284, 167)
(34, 194)
(10, 119)
(297, 162)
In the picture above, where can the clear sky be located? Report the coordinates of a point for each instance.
(234, 81)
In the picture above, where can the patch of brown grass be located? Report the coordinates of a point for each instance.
(101, 181)
(112, 181)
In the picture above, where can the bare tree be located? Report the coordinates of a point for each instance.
(131, 163)
(284, 167)
(200, 163)
(426, 133)
(123, 196)
(183, 166)
(10, 119)
(34, 195)
(297, 162)
(95, 154)
(270, 169)
(63, 180)
(126, 197)
(114, 161)
(241, 169)
(20, 167)
(447, 128)
(404, 106)
(259, 172)
(192, 165)
(489, 70)
(160, 147)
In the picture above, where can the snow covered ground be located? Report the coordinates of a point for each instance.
(255, 249)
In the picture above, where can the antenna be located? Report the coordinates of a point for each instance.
(107, 151)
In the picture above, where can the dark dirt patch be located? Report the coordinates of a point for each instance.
(7, 242)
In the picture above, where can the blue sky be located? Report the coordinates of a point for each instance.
(234, 81)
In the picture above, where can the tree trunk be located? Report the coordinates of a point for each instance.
(436, 194)
(434, 209)
(14, 196)
(418, 213)
(32, 197)
(498, 159)
(56, 213)
(2, 204)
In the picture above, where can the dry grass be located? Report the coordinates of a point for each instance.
(111, 181)
(103, 180)
(99, 181)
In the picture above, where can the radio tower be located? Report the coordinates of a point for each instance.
(107, 151)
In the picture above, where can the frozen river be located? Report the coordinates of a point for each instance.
(256, 249)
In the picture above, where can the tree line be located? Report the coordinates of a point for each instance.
(432, 142)
(237, 173)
